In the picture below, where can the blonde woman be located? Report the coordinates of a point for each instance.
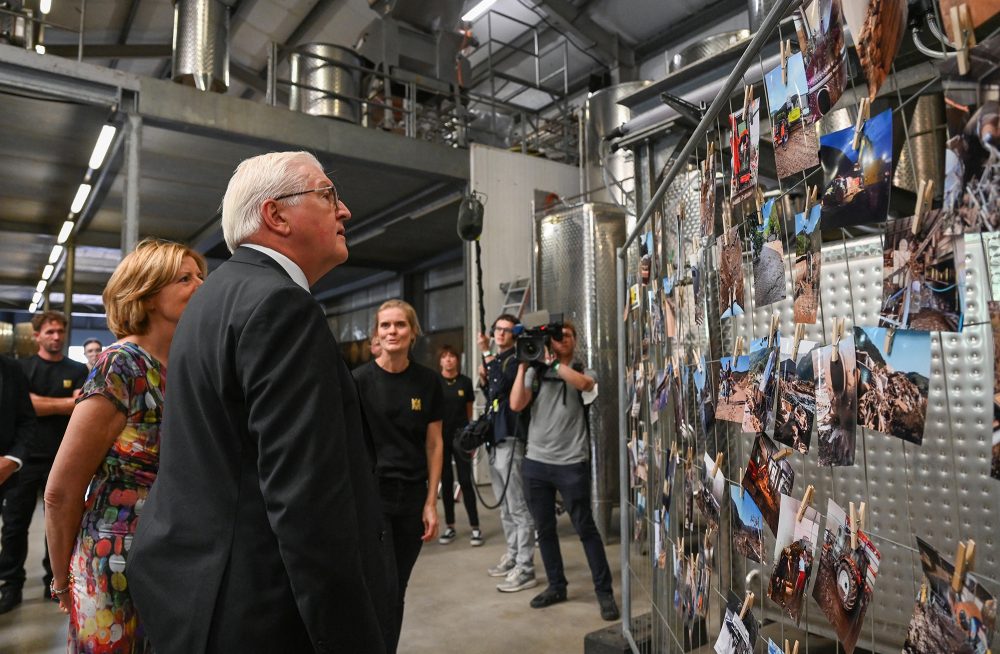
(402, 402)
(110, 453)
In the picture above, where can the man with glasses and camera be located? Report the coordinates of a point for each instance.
(506, 454)
(558, 459)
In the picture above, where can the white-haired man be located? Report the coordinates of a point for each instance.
(262, 532)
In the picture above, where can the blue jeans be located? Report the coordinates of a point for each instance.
(541, 481)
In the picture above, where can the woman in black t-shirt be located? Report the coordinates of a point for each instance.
(458, 398)
(402, 404)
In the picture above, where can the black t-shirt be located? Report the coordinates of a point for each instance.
(52, 379)
(398, 407)
(458, 392)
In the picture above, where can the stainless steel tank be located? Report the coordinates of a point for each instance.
(324, 82)
(922, 156)
(757, 10)
(6, 338)
(573, 272)
(201, 44)
(606, 176)
(711, 45)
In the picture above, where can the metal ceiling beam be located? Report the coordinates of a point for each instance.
(114, 51)
(133, 9)
(576, 21)
(704, 18)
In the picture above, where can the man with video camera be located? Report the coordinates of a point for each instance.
(506, 454)
(558, 459)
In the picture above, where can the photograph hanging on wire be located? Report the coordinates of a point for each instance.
(732, 388)
(731, 282)
(760, 384)
(748, 525)
(820, 33)
(994, 309)
(744, 126)
(711, 493)
(920, 281)
(808, 260)
(796, 396)
(836, 402)
(705, 398)
(857, 181)
(794, 553)
(767, 476)
(845, 580)
(737, 636)
(877, 27)
(768, 256)
(894, 380)
(972, 160)
(796, 145)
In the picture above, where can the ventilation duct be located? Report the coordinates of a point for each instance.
(922, 157)
(707, 47)
(604, 175)
(325, 81)
(201, 44)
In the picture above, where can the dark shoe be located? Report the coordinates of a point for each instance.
(609, 610)
(10, 598)
(548, 597)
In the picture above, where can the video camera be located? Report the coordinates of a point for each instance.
(530, 342)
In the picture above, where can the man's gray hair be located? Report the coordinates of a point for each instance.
(256, 180)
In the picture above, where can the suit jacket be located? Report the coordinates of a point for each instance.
(17, 416)
(262, 532)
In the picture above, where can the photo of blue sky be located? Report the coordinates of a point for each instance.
(742, 363)
(803, 226)
(746, 508)
(878, 132)
(911, 350)
(778, 92)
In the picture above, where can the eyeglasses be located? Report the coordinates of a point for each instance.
(328, 193)
(503, 330)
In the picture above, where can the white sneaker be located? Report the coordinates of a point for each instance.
(447, 536)
(476, 539)
(518, 579)
(503, 568)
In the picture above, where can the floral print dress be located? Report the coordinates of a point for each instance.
(103, 618)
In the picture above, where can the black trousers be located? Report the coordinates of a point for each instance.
(20, 496)
(463, 464)
(541, 481)
(402, 515)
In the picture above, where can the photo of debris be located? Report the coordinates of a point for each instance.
(760, 384)
(933, 630)
(748, 525)
(767, 477)
(845, 580)
(857, 182)
(877, 27)
(808, 259)
(668, 488)
(731, 283)
(973, 610)
(796, 397)
(768, 257)
(702, 586)
(691, 485)
(645, 257)
(732, 389)
(745, 144)
(711, 494)
(661, 396)
(705, 398)
(893, 381)
(972, 163)
(737, 636)
(836, 402)
(994, 309)
(707, 197)
(794, 550)
(820, 33)
(920, 288)
(796, 145)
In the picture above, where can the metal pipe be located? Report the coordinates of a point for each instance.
(133, 146)
(79, 47)
(735, 77)
(272, 75)
(622, 450)
(68, 287)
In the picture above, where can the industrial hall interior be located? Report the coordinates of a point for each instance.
(537, 326)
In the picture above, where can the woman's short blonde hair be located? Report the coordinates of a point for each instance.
(408, 311)
(142, 274)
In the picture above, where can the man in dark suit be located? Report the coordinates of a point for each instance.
(262, 532)
(17, 431)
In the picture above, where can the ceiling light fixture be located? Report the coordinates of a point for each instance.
(45, 6)
(81, 197)
(57, 251)
(478, 10)
(40, 287)
(48, 271)
(102, 145)
(39, 48)
(32, 307)
(64, 233)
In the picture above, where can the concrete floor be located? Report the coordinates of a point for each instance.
(451, 605)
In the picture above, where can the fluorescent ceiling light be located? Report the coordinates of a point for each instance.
(64, 233)
(57, 251)
(31, 309)
(45, 6)
(478, 10)
(36, 298)
(102, 145)
(81, 197)
(39, 48)
(40, 288)
(47, 272)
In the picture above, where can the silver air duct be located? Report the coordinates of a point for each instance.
(325, 81)
(926, 145)
(201, 44)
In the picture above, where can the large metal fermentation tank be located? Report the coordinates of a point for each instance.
(201, 44)
(573, 273)
(326, 81)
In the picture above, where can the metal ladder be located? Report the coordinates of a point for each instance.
(515, 296)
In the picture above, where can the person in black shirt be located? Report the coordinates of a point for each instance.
(54, 383)
(402, 403)
(458, 397)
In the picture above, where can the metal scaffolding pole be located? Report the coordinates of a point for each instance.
(133, 146)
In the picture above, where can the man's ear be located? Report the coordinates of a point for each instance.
(273, 219)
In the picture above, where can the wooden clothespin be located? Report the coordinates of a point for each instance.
(811, 193)
(747, 101)
(795, 649)
(690, 457)
(922, 597)
(864, 111)
(774, 330)
(781, 454)
(747, 605)
(854, 527)
(697, 356)
(861, 516)
(737, 349)
(890, 334)
(786, 53)
(715, 468)
(675, 362)
(807, 500)
(791, 650)
(925, 198)
(965, 36)
(741, 482)
(836, 334)
(800, 331)
(759, 199)
(964, 558)
(708, 537)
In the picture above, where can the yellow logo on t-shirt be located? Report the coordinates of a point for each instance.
(415, 403)
(461, 392)
(67, 383)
